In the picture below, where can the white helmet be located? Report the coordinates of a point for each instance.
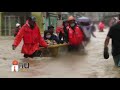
(17, 25)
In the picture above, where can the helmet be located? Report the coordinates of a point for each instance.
(17, 25)
(71, 18)
(32, 18)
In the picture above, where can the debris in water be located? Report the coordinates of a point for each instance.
(4, 58)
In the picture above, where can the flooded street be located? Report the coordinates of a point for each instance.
(66, 65)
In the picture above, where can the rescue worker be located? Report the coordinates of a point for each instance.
(62, 32)
(114, 35)
(30, 33)
(17, 29)
(101, 26)
(87, 31)
(65, 29)
(75, 34)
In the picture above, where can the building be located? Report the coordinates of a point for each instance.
(9, 19)
(50, 18)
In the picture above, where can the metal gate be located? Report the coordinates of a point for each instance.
(46, 23)
(8, 25)
(53, 21)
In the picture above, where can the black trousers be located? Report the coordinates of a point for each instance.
(35, 54)
(73, 48)
(60, 36)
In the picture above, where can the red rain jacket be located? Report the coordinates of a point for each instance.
(31, 39)
(75, 36)
(101, 26)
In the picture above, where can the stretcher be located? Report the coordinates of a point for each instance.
(52, 50)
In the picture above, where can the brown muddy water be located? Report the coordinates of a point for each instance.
(90, 64)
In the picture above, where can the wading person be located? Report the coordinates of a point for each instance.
(30, 33)
(93, 29)
(65, 29)
(75, 35)
(113, 21)
(60, 33)
(101, 26)
(17, 29)
(114, 35)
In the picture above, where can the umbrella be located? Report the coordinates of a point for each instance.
(83, 19)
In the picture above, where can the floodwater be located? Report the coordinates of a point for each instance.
(89, 64)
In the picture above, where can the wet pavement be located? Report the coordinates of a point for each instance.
(67, 65)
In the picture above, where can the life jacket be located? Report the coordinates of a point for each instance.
(75, 36)
(30, 36)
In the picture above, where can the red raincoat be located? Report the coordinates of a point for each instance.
(101, 26)
(31, 38)
(75, 36)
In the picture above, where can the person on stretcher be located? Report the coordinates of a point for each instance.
(50, 38)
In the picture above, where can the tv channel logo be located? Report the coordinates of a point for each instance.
(17, 66)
